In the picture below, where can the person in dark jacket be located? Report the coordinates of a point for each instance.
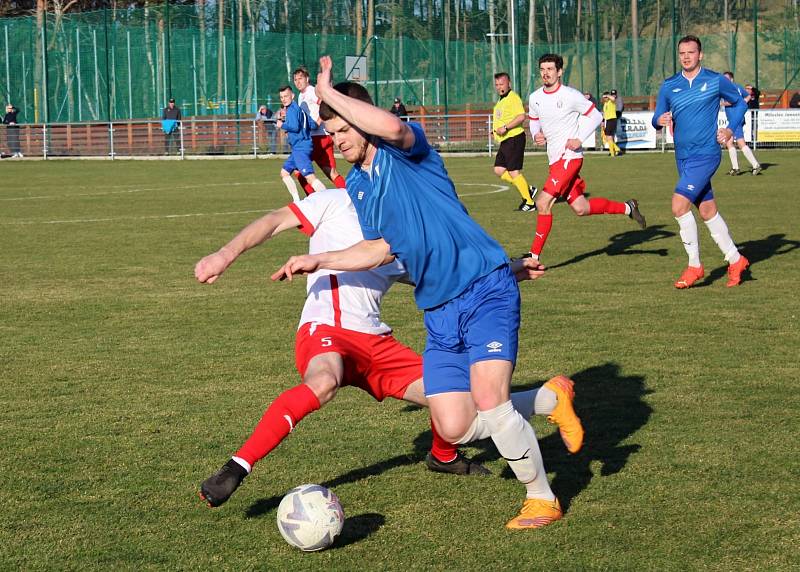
(12, 130)
(399, 109)
(170, 123)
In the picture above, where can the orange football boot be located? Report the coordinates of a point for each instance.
(569, 424)
(735, 271)
(691, 275)
(536, 513)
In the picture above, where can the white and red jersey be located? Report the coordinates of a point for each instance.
(350, 300)
(558, 113)
(309, 101)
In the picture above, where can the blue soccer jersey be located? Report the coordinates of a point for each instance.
(407, 199)
(695, 105)
(731, 115)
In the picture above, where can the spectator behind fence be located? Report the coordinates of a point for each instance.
(755, 96)
(170, 120)
(264, 120)
(590, 97)
(12, 130)
(399, 109)
(620, 105)
(794, 103)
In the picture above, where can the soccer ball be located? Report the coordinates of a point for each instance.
(310, 517)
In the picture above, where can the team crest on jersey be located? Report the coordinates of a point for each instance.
(559, 104)
(705, 87)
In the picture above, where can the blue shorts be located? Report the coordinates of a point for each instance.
(300, 160)
(482, 323)
(695, 177)
(738, 131)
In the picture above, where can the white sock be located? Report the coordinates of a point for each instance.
(318, 185)
(546, 401)
(541, 401)
(734, 158)
(748, 154)
(721, 235)
(289, 182)
(516, 442)
(691, 242)
(245, 465)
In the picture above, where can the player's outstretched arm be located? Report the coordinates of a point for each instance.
(364, 255)
(211, 267)
(367, 117)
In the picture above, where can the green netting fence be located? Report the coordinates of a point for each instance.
(227, 57)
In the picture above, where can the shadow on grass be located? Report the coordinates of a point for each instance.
(610, 405)
(624, 243)
(756, 251)
(358, 528)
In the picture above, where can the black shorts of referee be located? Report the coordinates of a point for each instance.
(511, 153)
(611, 127)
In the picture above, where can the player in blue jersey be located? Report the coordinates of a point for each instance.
(408, 209)
(298, 126)
(738, 134)
(688, 103)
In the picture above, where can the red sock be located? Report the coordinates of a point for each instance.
(544, 222)
(339, 182)
(304, 183)
(279, 419)
(441, 449)
(604, 206)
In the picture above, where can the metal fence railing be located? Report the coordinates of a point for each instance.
(458, 133)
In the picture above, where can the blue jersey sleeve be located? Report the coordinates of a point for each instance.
(738, 107)
(662, 106)
(420, 148)
(291, 123)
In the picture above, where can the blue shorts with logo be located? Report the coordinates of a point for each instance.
(695, 177)
(482, 323)
(300, 160)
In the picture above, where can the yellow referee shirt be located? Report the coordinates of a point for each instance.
(505, 111)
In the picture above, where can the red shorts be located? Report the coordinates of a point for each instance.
(565, 180)
(380, 365)
(322, 154)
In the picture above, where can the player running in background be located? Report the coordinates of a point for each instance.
(688, 103)
(738, 134)
(562, 117)
(298, 126)
(507, 130)
(322, 153)
(342, 341)
(408, 208)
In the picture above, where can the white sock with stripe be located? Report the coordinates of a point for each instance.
(721, 235)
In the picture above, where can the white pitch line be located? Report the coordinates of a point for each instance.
(135, 190)
(115, 219)
(497, 189)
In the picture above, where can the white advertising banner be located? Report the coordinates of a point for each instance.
(778, 125)
(634, 130)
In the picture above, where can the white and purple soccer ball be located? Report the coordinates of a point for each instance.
(310, 517)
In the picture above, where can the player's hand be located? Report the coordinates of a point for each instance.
(304, 264)
(724, 135)
(573, 144)
(324, 78)
(527, 269)
(212, 266)
(539, 138)
(665, 119)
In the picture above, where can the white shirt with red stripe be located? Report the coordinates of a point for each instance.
(350, 300)
(558, 113)
(309, 101)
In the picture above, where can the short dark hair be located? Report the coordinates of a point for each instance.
(552, 58)
(730, 73)
(301, 71)
(350, 89)
(691, 38)
(498, 75)
(285, 88)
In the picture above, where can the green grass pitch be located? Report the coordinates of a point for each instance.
(125, 383)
